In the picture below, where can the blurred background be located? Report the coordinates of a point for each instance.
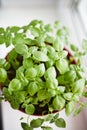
(72, 13)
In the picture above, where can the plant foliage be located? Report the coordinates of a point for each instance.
(39, 75)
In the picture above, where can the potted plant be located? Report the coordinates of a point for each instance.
(40, 76)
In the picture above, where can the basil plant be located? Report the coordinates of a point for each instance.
(40, 76)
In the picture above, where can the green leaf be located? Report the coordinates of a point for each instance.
(14, 29)
(61, 89)
(1, 30)
(40, 70)
(58, 102)
(57, 24)
(27, 63)
(44, 50)
(14, 104)
(20, 76)
(51, 83)
(25, 126)
(18, 39)
(15, 98)
(40, 40)
(12, 55)
(50, 93)
(30, 109)
(85, 94)
(50, 49)
(3, 75)
(21, 49)
(78, 110)
(62, 65)
(46, 128)
(34, 22)
(19, 96)
(48, 28)
(40, 56)
(40, 82)
(70, 76)
(34, 31)
(60, 122)
(50, 73)
(49, 63)
(62, 54)
(32, 88)
(62, 32)
(31, 73)
(35, 123)
(41, 95)
(27, 102)
(32, 49)
(49, 39)
(58, 44)
(61, 79)
(70, 107)
(74, 48)
(8, 37)
(2, 39)
(2, 62)
(53, 56)
(68, 95)
(48, 117)
(45, 94)
(76, 97)
(25, 28)
(78, 86)
(15, 85)
(56, 116)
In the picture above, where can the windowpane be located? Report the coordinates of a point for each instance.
(82, 8)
